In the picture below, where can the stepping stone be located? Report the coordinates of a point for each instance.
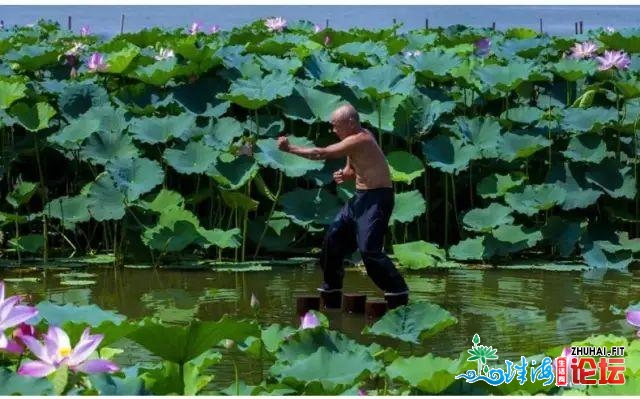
(375, 308)
(305, 303)
(353, 302)
(331, 300)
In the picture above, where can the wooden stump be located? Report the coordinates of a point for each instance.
(353, 302)
(375, 308)
(331, 300)
(304, 303)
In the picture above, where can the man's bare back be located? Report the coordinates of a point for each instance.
(369, 163)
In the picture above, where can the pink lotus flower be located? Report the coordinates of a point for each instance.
(633, 318)
(215, 29)
(362, 392)
(583, 50)
(84, 30)
(482, 46)
(57, 352)
(611, 59)
(12, 314)
(164, 54)
(309, 321)
(276, 24)
(96, 62)
(316, 28)
(609, 29)
(254, 299)
(195, 28)
(16, 345)
(327, 41)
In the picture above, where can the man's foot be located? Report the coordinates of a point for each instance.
(331, 298)
(395, 300)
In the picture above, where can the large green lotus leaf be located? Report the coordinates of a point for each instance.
(333, 371)
(469, 249)
(72, 135)
(429, 373)
(291, 165)
(362, 52)
(135, 176)
(110, 385)
(305, 342)
(91, 315)
(612, 179)
(266, 126)
(413, 322)
(523, 114)
(256, 92)
(408, 206)
(526, 48)
(625, 39)
(21, 193)
(629, 89)
(310, 206)
(382, 81)
(436, 64)
(419, 254)
(482, 132)
(11, 90)
(385, 119)
(277, 45)
(310, 105)
(277, 64)
(119, 60)
(169, 217)
(514, 146)
(418, 114)
(581, 120)
(238, 200)
(486, 219)
(600, 249)
(533, 199)
(327, 73)
(497, 185)
(279, 235)
(140, 98)
(164, 201)
(104, 146)
(31, 243)
(15, 384)
(174, 238)
(200, 97)
(106, 202)
(69, 210)
(78, 97)
(33, 117)
(220, 238)
(197, 157)
(405, 167)
(563, 233)
(514, 234)
(233, 174)
(586, 148)
(573, 69)
(33, 57)
(571, 178)
(505, 78)
(188, 342)
(157, 73)
(448, 154)
(155, 130)
(223, 131)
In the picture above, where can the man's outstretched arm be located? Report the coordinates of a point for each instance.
(338, 150)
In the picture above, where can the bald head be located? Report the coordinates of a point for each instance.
(346, 114)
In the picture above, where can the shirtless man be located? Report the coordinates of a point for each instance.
(362, 222)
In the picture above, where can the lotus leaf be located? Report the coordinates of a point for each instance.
(563, 233)
(527, 48)
(200, 97)
(408, 206)
(222, 133)
(514, 146)
(69, 210)
(33, 118)
(197, 157)
(160, 130)
(486, 219)
(505, 78)
(524, 114)
(419, 254)
(573, 69)
(291, 165)
(580, 120)
(612, 179)
(238, 200)
(435, 65)
(173, 237)
(305, 207)
(15, 384)
(130, 385)
(11, 90)
(91, 315)
(33, 56)
(305, 342)
(571, 178)
(310, 105)
(164, 201)
(533, 199)
(327, 73)
(103, 146)
(483, 133)
(405, 167)
(361, 52)
(276, 64)
(382, 81)
(157, 73)
(256, 92)
(586, 148)
(417, 115)
(448, 154)
(382, 115)
(135, 176)
(497, 185)
(412, 323)
(31, 243)
(119, 60)
(469, 249)
(234, 174)
(429, 373)
(106, 202)
(220, 238)
(79, 97)
(21, 193)
(514, 234)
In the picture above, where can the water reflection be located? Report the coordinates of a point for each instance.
(519, 312)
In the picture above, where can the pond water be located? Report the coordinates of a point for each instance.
(520, 312)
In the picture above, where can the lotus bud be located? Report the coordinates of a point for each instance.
(84, 30)
(316, 28)
(228, 344)
(362, 392)
(215, 29)
(327, 41)
(254, 300)
(309, 320)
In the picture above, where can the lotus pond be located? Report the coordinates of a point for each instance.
(529, 312)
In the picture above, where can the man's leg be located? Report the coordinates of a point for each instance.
(339, 241)
(372, 217)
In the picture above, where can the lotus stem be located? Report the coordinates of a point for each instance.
(426, 214)
(446, 211)
(455, 205)
(635, 171)
(273, 207)
(380, 122)
(245, 216)
(45, 199)
(18, 238)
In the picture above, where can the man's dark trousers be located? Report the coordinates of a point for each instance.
(362, 224)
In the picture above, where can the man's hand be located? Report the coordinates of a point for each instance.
(283, 143)
(338, 176)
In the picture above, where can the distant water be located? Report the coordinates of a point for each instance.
(105, 20)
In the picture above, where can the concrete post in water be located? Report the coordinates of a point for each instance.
(426, 23)
(326, 24)
(540, 25)
(353, 302)
(331, 300)
(580, 27)
(305, 303)
(69, 22)
(375, 309)
(122, 24)
(493, 26)
(576, 28)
